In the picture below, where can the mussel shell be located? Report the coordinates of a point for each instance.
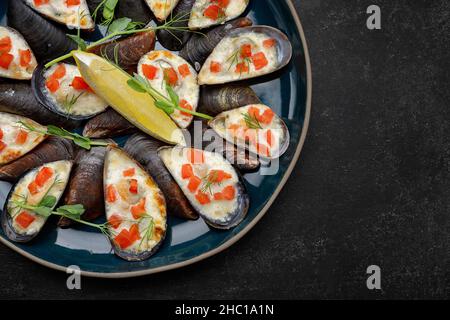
(199, 47)
(130, 256)
(175, 39)
(108, 124)
(235, 217)
(219, 98)
(86, 184)
(52, 149)
(45, 38)
(17, 97)
(144, 150)
(6, 219)
(128, 50)
(135, 10)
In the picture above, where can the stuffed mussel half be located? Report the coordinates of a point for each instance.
(62, 90)
(135, 207)
(15, 140)
(163, 68)
(246, 53)
(210, 183)
(162, 8)
(207, 13)
(42, 186)
(17, 60)
(254, 127)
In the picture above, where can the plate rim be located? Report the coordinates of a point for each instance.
(245, 230)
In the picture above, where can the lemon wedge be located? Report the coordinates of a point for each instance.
(110, 83)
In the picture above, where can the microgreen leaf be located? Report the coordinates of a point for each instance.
(71, 211)
(48, 201)
(134, 84)
(119, 25)
(79, 41)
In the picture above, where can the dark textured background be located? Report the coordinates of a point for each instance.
(371, 187)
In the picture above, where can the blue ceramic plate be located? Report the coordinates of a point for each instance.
(288, 92)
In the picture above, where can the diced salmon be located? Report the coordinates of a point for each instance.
(202, 198)
(149, 71)
(115, 221)
(24, 219)
(78, 83)
(134, 233)
(33, 188)
(5, 44)
(213, 12)
(229, 193)
(133, 186)
(269, 43)
(215, 67)
(259, 60)
(25, 57)
(52, 85)
(194, 183)
(5, 60)
(111, 195)
(185, 105)
(170, 75)
(2, 146)
(218, 176)
(223, 3)
(123, 239)
(242, 67)
(59, 72)
(246, 51)
(72, 3)
(267, 116)
(184, 70)
(21, 137)
(186, 171)
(38, 3)
(138, 210)
(129, 172)
(43, 176)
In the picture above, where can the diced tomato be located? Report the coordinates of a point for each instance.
(52, 85)
(134, 232)
(194, 183)
(24, 219)
(5, 60)
(228, 193)
(2, 146)
(263, 149)
(124, 239)
(269, 43)
(246, 51)
(78, 83)
(43, 176)
(213, 12)
(254, 112)
(195, 156)
(25, 57)
(1, 134)
(203, 198)
(170, 75)
(267, 116)
(5, 44)
(115, 221)
(218, 196)
(242, 67)
(186, 171)
(184, 70)
(269, 137)
(215, 67)
(259, 60)
(185, 105)
(111, 193)
(33, 188)
(21, 137)
(149, 71)
(218, 176)
(133, 186)
(38, 3)
(129, 172)
(223, 3)
(138, 210)
(72, 3)
(59, 72)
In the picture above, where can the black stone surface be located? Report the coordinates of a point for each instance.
(372, 185)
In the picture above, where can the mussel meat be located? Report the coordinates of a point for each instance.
(175, 40)
(108, 124)
(210, 183)
(207, 13)
(44, 184)
(86, 185)
(17, 60)
(52, 149)
(134, 205)
(163, 68)
(62, 90)
(199, 47)
(45, 38)
(17, 97)
(144, 149)
(246, 53)
(254, 127)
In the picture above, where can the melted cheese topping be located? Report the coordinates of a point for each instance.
(218, 210)
(261, 131)
(69, 12)
(120, 211)
(85, 101)
(225, 10)
(54, 186)
(231, 62)
(15, 141)
(161, 8)
(17, 60)
(152, 65)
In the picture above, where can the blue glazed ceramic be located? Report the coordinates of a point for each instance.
(288, 92)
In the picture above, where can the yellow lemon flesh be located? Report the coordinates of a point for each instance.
(110, 83)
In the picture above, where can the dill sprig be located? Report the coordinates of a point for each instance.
(68, 103)
(251, 121)
(209, 181)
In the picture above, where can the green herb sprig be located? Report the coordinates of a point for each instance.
(251, 121)
(209, 181)
(108, 8)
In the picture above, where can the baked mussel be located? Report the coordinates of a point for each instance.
(207, 13)
(22, 219)
(211, 184)
(246, 53)
(254, 127)
(135, 207)
(62, 90)
(162, 8)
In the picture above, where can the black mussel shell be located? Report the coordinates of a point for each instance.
(108, 124)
